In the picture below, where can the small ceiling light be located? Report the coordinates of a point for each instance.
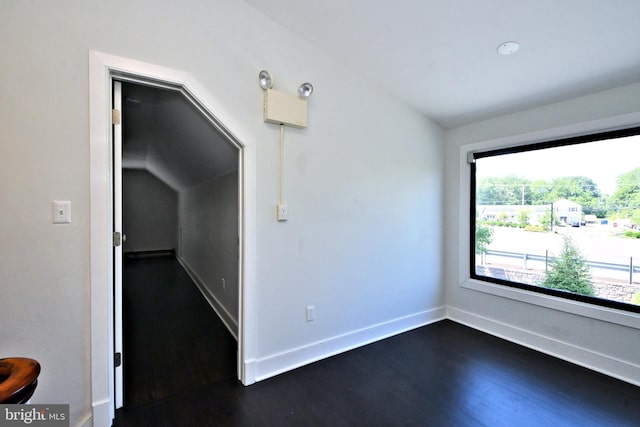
(508, 48)
(266, 82)
(305, 90)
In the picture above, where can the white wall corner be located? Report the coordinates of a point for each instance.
(620, 369)
(291, 359)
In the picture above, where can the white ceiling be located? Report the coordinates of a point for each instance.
(440, 56)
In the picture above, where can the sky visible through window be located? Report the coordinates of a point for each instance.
(602, 161)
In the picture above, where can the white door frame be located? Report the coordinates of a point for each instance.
(117, 250)
(103, 68)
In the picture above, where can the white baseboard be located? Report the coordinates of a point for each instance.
(604, 364)
(278, 363)
(229, 321)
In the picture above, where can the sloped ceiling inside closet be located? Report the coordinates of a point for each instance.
(165, 134)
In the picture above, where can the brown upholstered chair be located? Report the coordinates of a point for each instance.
(18, 379)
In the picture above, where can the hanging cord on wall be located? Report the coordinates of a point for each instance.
(281, 164)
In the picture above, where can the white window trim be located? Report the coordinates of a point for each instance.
(592, 311)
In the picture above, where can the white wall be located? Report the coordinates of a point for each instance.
(364, 184)
(363, 240)
(602, 339)
(150, 212)
(208, 220)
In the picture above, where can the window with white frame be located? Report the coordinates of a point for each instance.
(561, 218)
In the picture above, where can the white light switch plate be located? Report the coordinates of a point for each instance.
(283, 212)
(61, 212)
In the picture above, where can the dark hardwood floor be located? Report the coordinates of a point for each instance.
(173, 339)
(444, 374)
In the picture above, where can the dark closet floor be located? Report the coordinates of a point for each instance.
(443, 374)
(173, 340)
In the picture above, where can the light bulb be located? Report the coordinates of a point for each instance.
(305, 90)
(266, 82)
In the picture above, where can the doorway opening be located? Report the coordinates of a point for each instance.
(176, 205)
(104, 68)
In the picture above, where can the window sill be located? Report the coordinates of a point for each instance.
(591, 311)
